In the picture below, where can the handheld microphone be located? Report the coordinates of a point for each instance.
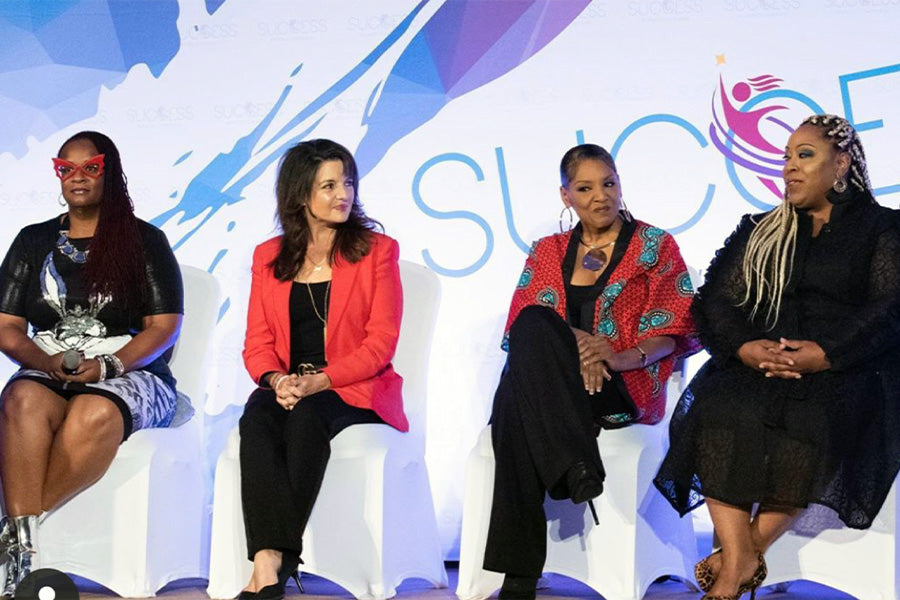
(71, 360)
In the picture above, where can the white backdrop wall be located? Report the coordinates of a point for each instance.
(458, 111)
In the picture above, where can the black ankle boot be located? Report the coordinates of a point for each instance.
(516, 587)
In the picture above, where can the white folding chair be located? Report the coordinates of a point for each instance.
(373, 524)
(639, 539)
(139, 527)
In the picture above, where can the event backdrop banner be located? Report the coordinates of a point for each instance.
(458, 112)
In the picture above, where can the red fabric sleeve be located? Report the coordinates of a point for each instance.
(667, 311)
(259, 341)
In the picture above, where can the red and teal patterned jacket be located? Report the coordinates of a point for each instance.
(648, 294)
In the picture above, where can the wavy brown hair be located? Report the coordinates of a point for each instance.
(115, 264)
(293, 190)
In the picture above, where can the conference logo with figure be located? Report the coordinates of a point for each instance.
(751, 120)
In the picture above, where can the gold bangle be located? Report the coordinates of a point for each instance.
(278, 380)
(643, 355)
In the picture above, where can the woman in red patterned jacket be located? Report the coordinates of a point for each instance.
(599, 316)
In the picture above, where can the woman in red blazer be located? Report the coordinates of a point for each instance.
(322, 326)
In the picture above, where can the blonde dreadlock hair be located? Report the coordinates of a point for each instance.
(769, 257)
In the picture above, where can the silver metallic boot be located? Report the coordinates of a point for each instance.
(8, 557)
(27, 534)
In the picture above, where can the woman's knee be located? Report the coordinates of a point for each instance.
(260, 414)
(533, 324)
(25, 400)
(96, 417)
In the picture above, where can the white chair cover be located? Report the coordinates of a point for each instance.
(373, 524)
(139, 527)
(862, 563)
(640, 537)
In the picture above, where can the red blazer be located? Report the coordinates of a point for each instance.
(364, 313)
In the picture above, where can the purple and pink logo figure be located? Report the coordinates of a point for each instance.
(750, 131)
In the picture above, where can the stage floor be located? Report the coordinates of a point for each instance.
(559, 587)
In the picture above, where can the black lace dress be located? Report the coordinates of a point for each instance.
(831, 438)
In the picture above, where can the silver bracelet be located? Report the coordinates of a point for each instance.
(102, 364)
(120, 368)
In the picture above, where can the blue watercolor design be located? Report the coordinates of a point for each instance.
(55, 56)
(395, 107)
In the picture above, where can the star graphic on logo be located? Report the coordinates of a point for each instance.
(720, 59)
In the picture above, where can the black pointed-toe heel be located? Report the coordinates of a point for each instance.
(289, 563)
(584, 485)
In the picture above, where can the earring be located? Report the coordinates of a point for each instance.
(60, 200)
(566, 210)
(840, 185)
(626, 214)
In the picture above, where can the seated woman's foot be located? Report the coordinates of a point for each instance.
(737, 576)
(706, 571)
(266, 564)
(516, 587)
(584, 482)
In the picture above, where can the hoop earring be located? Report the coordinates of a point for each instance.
(566, 210)
(839, 185)
(60, 200)
(626, 214)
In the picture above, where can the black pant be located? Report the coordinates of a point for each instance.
(283, 458)
(542, 424)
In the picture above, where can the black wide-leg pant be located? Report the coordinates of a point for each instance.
(542, 424)
(283, 458)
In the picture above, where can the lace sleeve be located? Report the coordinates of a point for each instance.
(723, 325)
(875, 326)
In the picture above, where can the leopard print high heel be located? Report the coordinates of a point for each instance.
(703, 572)
(751, 585)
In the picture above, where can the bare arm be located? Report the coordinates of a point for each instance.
(656, 348)
(15, 343)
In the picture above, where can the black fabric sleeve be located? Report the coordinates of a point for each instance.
(875, 327)
(165, 290)
(15, 272)
(723, 325)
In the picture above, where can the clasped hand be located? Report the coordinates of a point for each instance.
(87, 372)
(293, 388)
(593, 353)
(787, 359)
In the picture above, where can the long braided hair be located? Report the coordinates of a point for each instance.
(769, 256)
(116, 266)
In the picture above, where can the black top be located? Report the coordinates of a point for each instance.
(581, 300)
(613, 407)
(42, 285)
(841, 427)
(307, 330)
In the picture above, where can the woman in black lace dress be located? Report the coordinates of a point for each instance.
(100, 287)
(800, 313)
